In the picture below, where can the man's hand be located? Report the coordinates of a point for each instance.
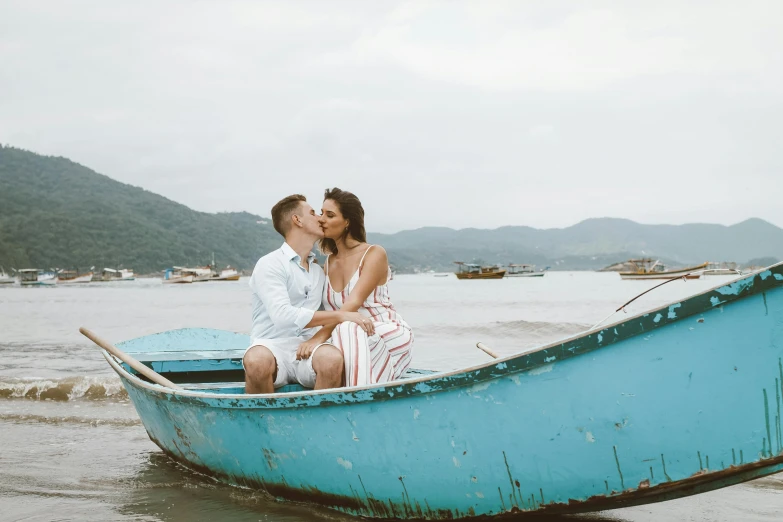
(306, 349)
(365, 322)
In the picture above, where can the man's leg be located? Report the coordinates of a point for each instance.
(260, 370)
(329, 367)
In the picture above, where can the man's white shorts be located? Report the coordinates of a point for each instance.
(289, 369)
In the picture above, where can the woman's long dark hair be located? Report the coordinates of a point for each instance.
(352, 210)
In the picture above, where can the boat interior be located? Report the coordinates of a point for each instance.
(200, 359)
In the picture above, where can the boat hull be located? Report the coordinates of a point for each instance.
(226, 278)
(178, 280)
(42, 282)
(86, 278)
(482, 275)
(531, 274)
(677, 401)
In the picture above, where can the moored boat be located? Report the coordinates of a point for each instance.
(227, 274)
(36, 277)
(648, 268)
(65, 277)
(523, 270)
(174, 275)
(198, 274)
(6, 279)
(517, 434)
(117, 274)
(723, 268)
(474, 271)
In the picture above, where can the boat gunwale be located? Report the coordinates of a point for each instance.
(476, 374)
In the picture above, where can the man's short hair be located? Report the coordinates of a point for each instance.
(282, 211)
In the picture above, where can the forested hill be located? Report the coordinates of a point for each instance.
(57, 213)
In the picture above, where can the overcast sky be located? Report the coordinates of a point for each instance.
(450, 113)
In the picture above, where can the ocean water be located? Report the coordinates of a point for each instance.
(73, 448)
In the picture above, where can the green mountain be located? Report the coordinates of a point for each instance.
(57, 213)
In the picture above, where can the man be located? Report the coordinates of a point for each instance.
(287, 287)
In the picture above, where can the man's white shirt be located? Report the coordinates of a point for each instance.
(285, 295)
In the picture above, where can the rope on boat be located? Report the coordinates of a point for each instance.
(684, 277)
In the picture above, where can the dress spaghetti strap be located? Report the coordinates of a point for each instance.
(361, 261)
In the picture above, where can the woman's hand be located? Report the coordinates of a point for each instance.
(305, 349)
(355, 317)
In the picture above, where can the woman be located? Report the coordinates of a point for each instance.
(356, 280)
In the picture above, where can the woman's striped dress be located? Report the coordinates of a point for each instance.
(381, 357)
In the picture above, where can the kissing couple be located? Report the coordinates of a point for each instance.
(324, 328)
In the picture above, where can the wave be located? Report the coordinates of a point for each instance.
(29, 418)
(63, 389)
(517, 329)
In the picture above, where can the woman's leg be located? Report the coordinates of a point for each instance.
(349, 338)
(398, 341)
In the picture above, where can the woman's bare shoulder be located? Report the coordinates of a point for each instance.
(376, 254)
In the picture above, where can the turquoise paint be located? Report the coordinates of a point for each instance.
(515, 426)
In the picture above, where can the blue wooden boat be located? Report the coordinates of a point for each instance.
(665, 404)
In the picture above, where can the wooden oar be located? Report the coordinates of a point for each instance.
(130, 361)
(486, 349)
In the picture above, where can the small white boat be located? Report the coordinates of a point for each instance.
(122, 274)
(199, 274)
(523, 270)
(36, 277)
(723, 268)
(173, 275)
(227, 274)
(648, 268)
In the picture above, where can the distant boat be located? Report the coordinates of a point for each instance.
(66, 277)
(6, 279)
(174, 275)
(227, 274)
(724, 268)
(648, 268)
(121, 274)
(36, 277)
(523, 270)
(441, 275)
(473, 271)
(200, 274)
